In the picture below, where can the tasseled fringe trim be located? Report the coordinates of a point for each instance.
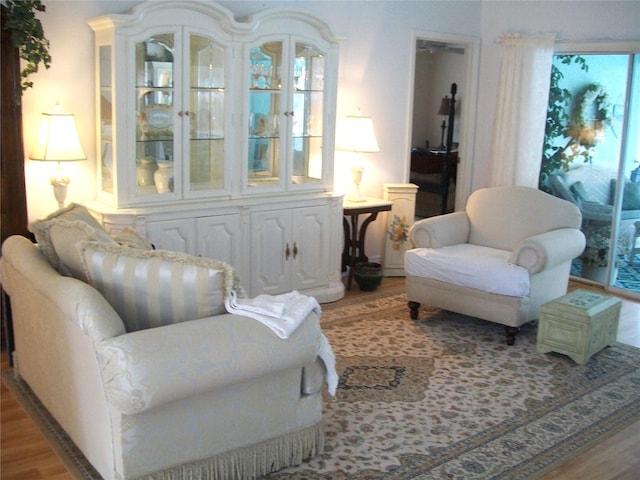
(252, 462)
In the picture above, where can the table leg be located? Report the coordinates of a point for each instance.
(354, 242)
(362, 257)
(353, 247)
(346, 250)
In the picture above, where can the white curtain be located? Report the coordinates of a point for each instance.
(521, 109)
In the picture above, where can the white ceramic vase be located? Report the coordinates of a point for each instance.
(163, 176)
(144, 172)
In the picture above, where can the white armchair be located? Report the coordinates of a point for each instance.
(508, 253)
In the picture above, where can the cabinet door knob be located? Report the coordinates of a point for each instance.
(181, 113)
(287, 252)
(295, 250)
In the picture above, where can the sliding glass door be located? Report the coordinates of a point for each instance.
(591, 158)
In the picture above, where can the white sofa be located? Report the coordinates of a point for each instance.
(500, 259)
(219, 397)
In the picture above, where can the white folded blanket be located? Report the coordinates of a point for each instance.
(283, 314)
(329, 359)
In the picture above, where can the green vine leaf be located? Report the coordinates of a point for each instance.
(27, 35)
(558, 156)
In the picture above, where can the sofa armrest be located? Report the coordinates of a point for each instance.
(548, 249)
(28, 277)
(152, 367)
(440, 231)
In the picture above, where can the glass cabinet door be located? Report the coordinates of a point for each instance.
(154, 115)
(105, 113)
(206, 114)
(264, 113)
(307, 118)
(286, 99)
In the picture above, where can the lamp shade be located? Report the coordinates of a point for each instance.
(57, 139)
(358, 135)
(444, 106)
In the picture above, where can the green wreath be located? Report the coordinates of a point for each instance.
(588, 131)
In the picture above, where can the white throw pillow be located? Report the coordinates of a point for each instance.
(64, 236)
(40, 229)
(151, 288)
(133, 239)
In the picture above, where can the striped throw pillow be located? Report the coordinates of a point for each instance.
(151, 288)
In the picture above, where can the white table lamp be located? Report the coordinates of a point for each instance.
(58, 142)
(359, 137)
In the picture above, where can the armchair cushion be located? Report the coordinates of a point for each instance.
(151, 288)
(630, 196)
(484, 268)
(579, 191)
(561, 189)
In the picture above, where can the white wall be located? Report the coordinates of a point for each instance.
(376, 60)
(572, 21)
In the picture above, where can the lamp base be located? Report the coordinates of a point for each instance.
(60, 184)
(355, 195)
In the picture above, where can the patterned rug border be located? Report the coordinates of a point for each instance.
(347, 313)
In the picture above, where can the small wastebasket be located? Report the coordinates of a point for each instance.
(368, 275)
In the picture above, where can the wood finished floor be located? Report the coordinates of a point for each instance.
(25, 454)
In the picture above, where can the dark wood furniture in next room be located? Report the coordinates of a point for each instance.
(433, 170)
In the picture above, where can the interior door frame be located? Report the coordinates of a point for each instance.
(467, 118)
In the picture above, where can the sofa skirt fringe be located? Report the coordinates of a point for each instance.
(251, 462)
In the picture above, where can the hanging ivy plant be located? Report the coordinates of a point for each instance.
(558, 157)
(27, 35)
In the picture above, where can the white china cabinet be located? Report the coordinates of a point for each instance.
(216, 137)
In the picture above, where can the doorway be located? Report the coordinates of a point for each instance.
(439, 61)
(596, 163)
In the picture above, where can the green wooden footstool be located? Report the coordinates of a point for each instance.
(578, 324)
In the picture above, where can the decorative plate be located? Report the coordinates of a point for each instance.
(159, 117)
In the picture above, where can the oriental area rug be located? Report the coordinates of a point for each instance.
(444, 397)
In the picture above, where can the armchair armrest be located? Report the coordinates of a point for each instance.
(596, 211)
(147, 368)
(548, 249)
(440, 231)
